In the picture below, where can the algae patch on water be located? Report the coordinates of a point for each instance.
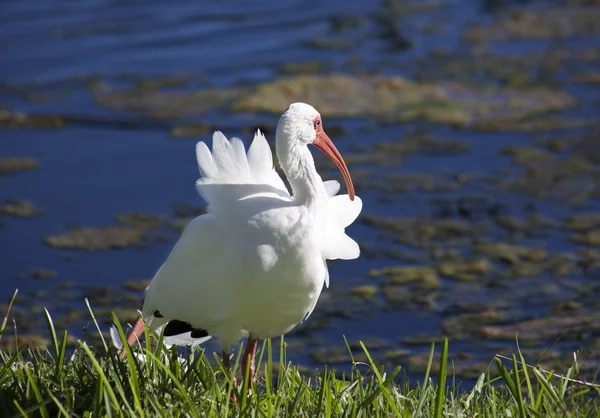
(133, 229)
(571, 178)
(136, 285)
(95, 239)
(38, 274)
(547, 23)
(166, 104)
(190, 130)
(20, 208)
(140, 220)
(20, 120)
(583, 221)
(10, 165)
(399, 99)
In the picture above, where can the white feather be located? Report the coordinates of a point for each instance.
(116, 338)
(240, 156)
(206, 164)
(342, 212)
(184, 339)
(331, 187)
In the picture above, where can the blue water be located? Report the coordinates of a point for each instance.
(89, 174)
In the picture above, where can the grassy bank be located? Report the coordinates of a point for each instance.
(155, 382)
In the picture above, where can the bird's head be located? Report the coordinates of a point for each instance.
(301, 125)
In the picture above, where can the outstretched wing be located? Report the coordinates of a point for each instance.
(336, 244)
(229, 173)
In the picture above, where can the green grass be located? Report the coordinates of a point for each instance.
(152, 381)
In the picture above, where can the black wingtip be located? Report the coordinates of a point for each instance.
(199, 333)
(176, 327)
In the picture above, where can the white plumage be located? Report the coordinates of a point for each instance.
(254, 265)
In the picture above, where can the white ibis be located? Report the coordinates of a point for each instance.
(254, 266)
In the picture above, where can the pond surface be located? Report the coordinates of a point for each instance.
(470, 129)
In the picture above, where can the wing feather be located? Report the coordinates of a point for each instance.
(224, 156)
(240, 155)
(259, 154)
(260, 160)
(184, 288)
(230, 174)
(331, 187)
(206, 164)
(342, 212)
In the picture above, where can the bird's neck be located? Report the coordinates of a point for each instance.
(299, 167)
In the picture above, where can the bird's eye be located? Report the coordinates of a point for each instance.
(317, 123)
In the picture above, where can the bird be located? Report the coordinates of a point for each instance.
(254, 265)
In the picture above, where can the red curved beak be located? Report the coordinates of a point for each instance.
(324, 144)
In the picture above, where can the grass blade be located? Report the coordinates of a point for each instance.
(5, 320)
(87, 303)
(269, 369)
(133, 371)
(281, 362)
(38, 396)
(423, 394)
(177, 383)
(54, 341)
(506, 376)
(105, 383)
(52, 332)
(60, 362)
(548, 387)
(440, 397)
(518, 393)
(526, 373)
(321, 393)
(60, 407)
(382, 383)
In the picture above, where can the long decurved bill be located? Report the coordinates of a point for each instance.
(324, 144)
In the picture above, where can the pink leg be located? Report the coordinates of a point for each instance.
(249, 356)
